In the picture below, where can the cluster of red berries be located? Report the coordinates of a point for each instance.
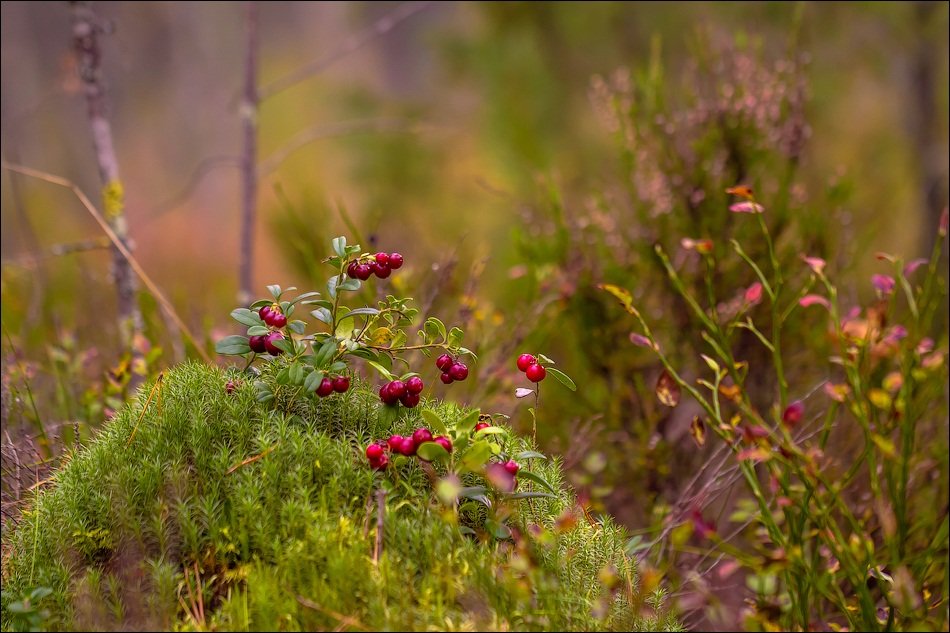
(531, 368)
(502, 475)
(381, 265)
(405, 392)
(272, 316)
(399, 445)
(451, 369)
(327, 386)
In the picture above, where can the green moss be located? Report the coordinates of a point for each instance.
(286, 542)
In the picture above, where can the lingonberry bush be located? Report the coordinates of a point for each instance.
(468, 468)
(845, 538)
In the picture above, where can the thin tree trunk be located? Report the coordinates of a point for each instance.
(86, 30)
(249, 157)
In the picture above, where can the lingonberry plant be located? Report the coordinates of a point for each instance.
(305, 363)
(320, 362)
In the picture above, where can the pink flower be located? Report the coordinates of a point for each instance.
(925, 346)
(895, 334)
(816, 264)
(747, 207)
(884, 284)
(701, 246)
(642, 341)
(753, 294)
(913, 265)
(811, 300)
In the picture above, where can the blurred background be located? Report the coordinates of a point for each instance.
(516, 153)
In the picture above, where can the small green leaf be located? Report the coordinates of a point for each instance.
(434, 326)
(537, 479)
(432, 451)
(523, 455)
(296, 373)
(471, 492)
(382, 370)
(297, 327)
(260, 303)
(353, 249)
(544, 360)
(275, 291)
(464, 529)
(337, 368)
(233, 345)
(339, 246)
(436, 425)
(477, 455)
(531, 495)
(562, 378)
(359, 311)
(304, 296)
(351, 284)
(257, 330)
(283, 376)
(455, 337)
(313, 380)
(322, 314)
(491, 430)
(246, 317)
(498, 530)
(331, 285)
(467, 423)
(327, 350)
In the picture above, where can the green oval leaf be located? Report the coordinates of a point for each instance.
(562, 378)
(537, 479)
(436, 425)
(246, 317)
(432, 451)
(235, 345)
(523, 455)
(359, 311)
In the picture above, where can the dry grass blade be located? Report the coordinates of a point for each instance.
(251, 460)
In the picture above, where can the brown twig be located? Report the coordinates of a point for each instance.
(35, 260)
(249, 109)
(339, 617)
(380, 524)
(86, 29)
(120, 246)
(353, 43)
(251, 460)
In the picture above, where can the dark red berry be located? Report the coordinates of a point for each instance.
(386, 395)
(444, 362)
(512, 467)
(446, 378)
(363, 271)
(499, 477)
(264, 313)
(381, 463)
(525, 361)
(415, 385)
(395, 441)
(421, 435)
(325, 388)
(374, 451)
(395, 261)
(793, 414)
(341, 384)
(397, 388)
(381, 271)
(459, 371)
(230, 387)
(351, 269)
(382, 259)
(481, 425)
(444, 442)
(269, 343)
(408, 447)
(277, 319)
(257, 344)
(409, 400)
(536, 373)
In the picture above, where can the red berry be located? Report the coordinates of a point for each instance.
(536, 373)
(512, 467)
(444, 442)
(408, 447)
(386, 395)
(257, 344)
(446, 378)
(409, 400)
(230, 387)
(363, 272)
(325, 388)
(444, 362)
(382, 259)
(269, 343)
(397, 388)
(395, 441)
(380, 270)
(481, 425)
(374, 451)
(351, 269)
(277, 319)
(264, 313)
(415, 385)
(395, 260)
(422, 435)
(459, 371)
(381, 463)
(341, 384)
(499, 477)
(525, 361)
(793, 414)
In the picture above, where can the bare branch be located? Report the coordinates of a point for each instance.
(249, 110)
(119, 245)
(34, 260)
(353, 43)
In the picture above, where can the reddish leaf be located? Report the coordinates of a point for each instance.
(667, 391)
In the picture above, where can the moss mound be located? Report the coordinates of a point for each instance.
(163, 532)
